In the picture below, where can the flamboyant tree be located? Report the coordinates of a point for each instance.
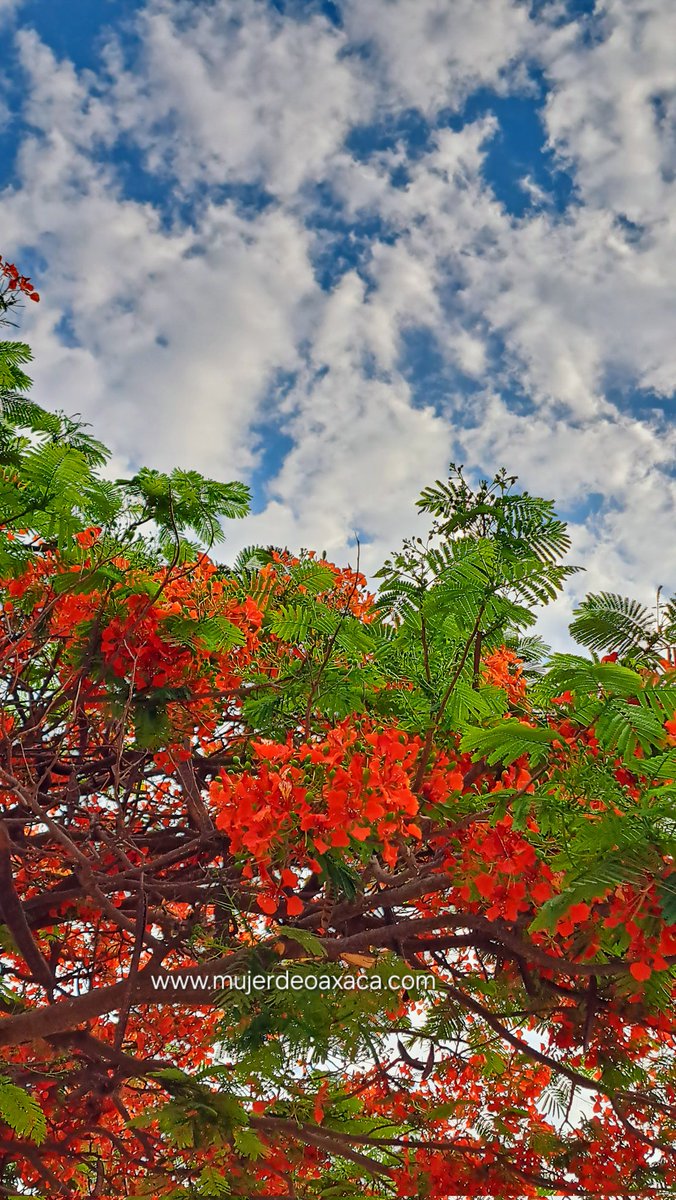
(214, 776)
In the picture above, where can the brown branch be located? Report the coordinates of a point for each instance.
(14, 918)
(197, 809)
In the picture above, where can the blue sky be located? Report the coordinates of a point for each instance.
(329, 247)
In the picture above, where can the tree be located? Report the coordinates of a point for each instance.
(250, 814)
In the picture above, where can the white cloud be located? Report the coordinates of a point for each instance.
(243, 94)
(433, 53)
(8, 8)
(178, 326)
(362, 454)
(573, 297)
(178, 331)
(612, 109)
(621, 458)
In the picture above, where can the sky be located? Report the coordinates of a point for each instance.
(328, 247)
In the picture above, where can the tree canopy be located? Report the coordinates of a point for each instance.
(312, 889)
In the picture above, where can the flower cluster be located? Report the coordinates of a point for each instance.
(351, 789)
(503, 668)
(13, 285)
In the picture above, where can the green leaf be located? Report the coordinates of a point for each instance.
(439, 1112)
(217, 633)
(666, 892)
(621, 727)
(21, 1112)
(212, 1183)
(315, 577)
(608, 622)
(172, 1075)
(343, 878)
(86, 580)
(298, 622)
(249, 1145)
(570, 672)
(305, 939)
(508, 741)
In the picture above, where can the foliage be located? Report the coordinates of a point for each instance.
(265, 772)
(622, 626)
(21, 1112)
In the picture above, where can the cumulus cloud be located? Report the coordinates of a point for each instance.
(611, 111)
(362, 452)
(169, 320)
(624, 459)
(166, 337)
(233, 91)
(8, 8)
(433, 54)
